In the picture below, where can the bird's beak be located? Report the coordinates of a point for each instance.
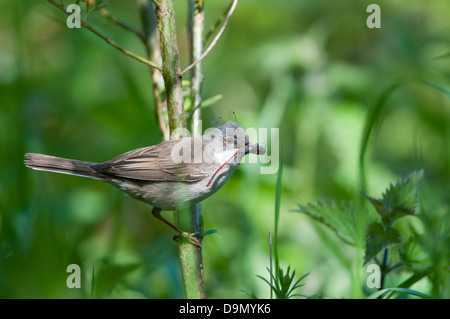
(255, 149)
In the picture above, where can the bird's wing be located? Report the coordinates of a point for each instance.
(153, 163)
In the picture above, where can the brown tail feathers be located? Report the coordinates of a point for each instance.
(55, 164)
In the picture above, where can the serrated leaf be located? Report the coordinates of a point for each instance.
(345, 218)
(399, 200)
(377, 203)
(379, 237)
(404, 193)
(413, 255)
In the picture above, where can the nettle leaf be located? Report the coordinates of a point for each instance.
(412, 255)
(399, 200)
(345, 218)
(379, 237)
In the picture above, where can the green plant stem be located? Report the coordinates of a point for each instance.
(190, 255)
(170, 65)
(153, 47)
(278, 192)
(196, 29)
(384, 268)
(196, 19)
(270, 263)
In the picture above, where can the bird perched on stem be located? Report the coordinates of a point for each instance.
(166, 175)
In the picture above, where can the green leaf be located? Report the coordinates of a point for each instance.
(278, 192)
(377, 203)
(374, 120)
(210, 101)
(93, 282)
(187, 103)
(283, 283)
(399, 200)
(404, 193)
(251, 294)
(389, 291)
(379, 237)
(415, 277)
(210, 231)
(345, 218)
(413, 256)
(441, 87)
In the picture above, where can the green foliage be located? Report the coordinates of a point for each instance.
(284, 285)
(388, 292)
(281, 283)
(351, 221)
(347, 219)
(399, 200)
(318, 76)
(344, 218)
(278, 192)
(413, 255)
(380, 237)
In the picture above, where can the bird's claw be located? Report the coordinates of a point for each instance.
(189, 236)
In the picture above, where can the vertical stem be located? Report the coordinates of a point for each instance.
(170, 65)
(384, 267)
(195, 217)
(153, 48)
(270, 262)
(190, 255)
(196, 29)
(278, 192)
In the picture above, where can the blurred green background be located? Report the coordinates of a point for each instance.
(310, 68)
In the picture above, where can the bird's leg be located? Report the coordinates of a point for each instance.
(191, 237)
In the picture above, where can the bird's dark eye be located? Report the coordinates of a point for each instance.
(229, 140)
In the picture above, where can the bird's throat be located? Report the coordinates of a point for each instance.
(221, 166)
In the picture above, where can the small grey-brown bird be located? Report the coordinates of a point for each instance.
(174, 172)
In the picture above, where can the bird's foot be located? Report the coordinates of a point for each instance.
(189, 236)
